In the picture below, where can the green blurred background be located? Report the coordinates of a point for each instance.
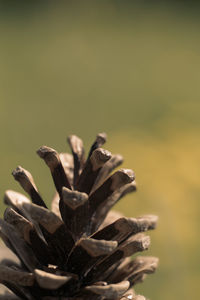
(132, 69)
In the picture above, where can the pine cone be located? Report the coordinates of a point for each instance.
(79, 249)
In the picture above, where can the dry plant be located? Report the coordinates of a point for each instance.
(79, 249)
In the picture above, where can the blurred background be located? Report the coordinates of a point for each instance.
(131, 69)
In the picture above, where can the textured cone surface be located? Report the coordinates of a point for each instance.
(79, 249)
